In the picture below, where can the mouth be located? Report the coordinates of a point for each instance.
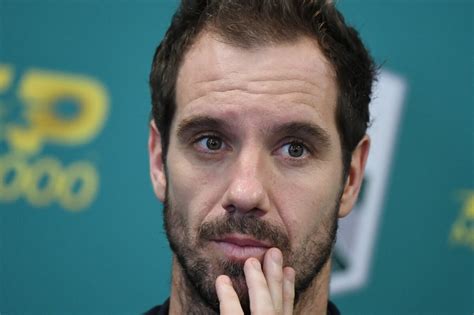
(241, 247)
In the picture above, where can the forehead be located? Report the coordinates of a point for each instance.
(284, 79)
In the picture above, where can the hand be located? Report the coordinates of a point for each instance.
(271, 291)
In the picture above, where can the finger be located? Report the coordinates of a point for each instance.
(259, 295)
(273, 270)
(229, 303)
(288, 290)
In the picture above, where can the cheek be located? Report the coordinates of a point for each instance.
(194, 191)
(306, 202)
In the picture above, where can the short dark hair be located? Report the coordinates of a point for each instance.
(255, 23)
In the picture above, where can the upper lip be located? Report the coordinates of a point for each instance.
(242, 240)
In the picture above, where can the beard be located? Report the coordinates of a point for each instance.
(201, 268)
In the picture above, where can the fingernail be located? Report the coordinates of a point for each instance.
(227, 281)
(276, 257)
(256, 264)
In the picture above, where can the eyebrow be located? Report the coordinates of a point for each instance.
(192, 125)
(305, 129)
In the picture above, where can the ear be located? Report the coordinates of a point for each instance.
(355, 177)
(157, 168)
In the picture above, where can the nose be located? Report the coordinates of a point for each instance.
(247, 187)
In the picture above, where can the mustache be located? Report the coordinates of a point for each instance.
(248, 225)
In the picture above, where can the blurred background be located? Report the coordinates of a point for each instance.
(80, 228)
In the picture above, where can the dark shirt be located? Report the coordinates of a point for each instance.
(162, 309)
(165, 308)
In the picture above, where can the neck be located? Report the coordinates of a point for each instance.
(184, 299)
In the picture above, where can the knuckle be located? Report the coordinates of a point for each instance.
(278, 278)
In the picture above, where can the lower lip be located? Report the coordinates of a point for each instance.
(237, 252)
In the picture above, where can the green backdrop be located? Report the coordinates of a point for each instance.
(80, 229)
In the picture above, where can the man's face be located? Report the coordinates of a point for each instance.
(254, 161)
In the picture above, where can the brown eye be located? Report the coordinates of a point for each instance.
(295, 149)
(210, 144)
(213, 143)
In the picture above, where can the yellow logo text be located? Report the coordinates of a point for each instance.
(24, 171)
(462, 231)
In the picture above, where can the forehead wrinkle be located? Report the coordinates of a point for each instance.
(233, 94)
(260, 83)
(224, 80)
(262, 76)
(210, 66)
(230, 102)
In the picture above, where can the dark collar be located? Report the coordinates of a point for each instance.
(164, 309)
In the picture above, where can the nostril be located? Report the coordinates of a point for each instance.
(231, 208)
